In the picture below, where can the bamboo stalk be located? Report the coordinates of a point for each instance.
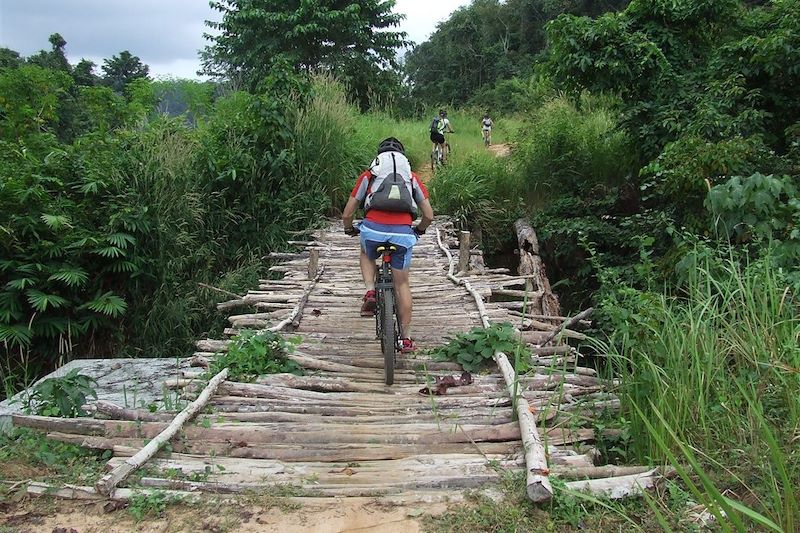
(538, 485)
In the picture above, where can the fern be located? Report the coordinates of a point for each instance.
(16, 335)
(110, 252)
(70, 276)
(121, 240)
(21, 283)
(41, 301)
(56, 222)
(107, 304)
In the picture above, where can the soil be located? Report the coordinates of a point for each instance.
(500, 150)
(323, 515)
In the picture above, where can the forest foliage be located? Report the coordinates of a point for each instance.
(116, 205)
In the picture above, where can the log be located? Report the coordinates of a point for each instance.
(538, 486)
(574, 320)
(530, 263)
(619, 487)
(108, 483)
(596, 472)
(298, 309)
(117, 412)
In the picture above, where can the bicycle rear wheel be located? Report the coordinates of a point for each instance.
(388, 341)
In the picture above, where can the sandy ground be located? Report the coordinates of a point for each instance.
(328, 515)
(500, 150)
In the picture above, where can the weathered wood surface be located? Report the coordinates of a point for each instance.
(338, 430)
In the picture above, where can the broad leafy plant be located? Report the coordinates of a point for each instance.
(475, 349)
(63, 396)
(253, 354)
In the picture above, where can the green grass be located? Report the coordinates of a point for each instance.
(27, 454)
(415, 134)
(710, 381)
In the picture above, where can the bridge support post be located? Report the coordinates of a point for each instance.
(463, 252)
(313, 262)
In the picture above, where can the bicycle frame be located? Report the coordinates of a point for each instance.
(384, 295)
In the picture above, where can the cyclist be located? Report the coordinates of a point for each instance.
(486, 129)
(390, 212)
(439, 126)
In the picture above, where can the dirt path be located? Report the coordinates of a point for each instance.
(500, 150)
(324, 515)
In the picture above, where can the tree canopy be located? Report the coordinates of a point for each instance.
(121, 70)
(487, 41)
(354, 39)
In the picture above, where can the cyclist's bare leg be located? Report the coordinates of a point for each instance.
(402, 291)
(368, 270)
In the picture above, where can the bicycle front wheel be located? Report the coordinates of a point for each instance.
(388, 341)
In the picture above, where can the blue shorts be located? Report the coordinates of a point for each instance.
(402, 236)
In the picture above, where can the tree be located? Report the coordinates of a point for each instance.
(119, 71)
(256, 35)
(488, 41)
(55, 59)
(84, 73)
(9, 58)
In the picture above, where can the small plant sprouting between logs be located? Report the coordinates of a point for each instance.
(473, 349)
(63, 396)
(253, 354)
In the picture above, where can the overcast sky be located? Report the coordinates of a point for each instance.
(165, 34)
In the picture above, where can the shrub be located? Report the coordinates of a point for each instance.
(482, 194)
(253, 354)
(63, 396)
(475, 349)
(570, 147)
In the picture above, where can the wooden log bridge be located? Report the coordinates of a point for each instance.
(338, 430)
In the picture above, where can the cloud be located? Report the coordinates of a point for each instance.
(157, 31)
(165, 34)
(423, 15)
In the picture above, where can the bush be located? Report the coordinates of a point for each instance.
(482, 194)
(569, 147)
(708, 375)
(328, 151)
(253, 354)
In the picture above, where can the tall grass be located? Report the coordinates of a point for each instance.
(481, 194)
(328, 147)
(572, 145)
(711, 379)
(415, 134)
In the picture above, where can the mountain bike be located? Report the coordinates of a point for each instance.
(487, 137)
(440, 155)
(437, 157)
(387, 327)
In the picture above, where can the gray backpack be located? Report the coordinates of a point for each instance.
(391, 187)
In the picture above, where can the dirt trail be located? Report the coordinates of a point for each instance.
(426, 174)
(337, 515)
(500, 150)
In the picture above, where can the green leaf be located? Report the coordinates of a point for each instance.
(110, 252)
(41, 301)
(21, 283)
(56, 222)
(108, 304)
(121, 240)
(70, 276)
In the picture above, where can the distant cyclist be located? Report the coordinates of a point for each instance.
(439, 126)
(486, 129)
(390, 194)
